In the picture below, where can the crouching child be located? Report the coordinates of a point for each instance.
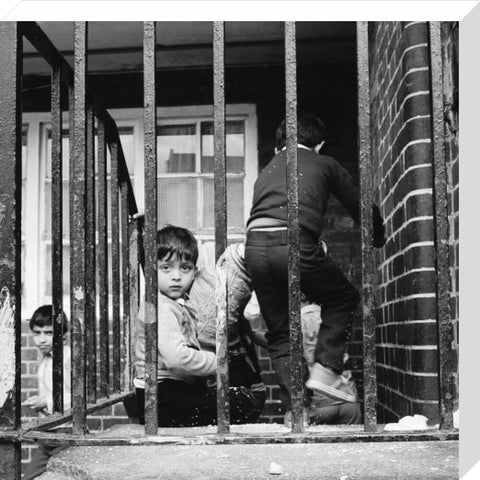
(184, 398)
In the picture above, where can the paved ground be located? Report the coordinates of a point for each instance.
(312, 461)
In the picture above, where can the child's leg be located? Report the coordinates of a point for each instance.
(322, 281)
(266, 258)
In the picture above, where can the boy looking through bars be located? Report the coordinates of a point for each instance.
(184, 397)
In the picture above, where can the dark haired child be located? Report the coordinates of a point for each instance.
(42, 331)
(184, 398)
(321, 280)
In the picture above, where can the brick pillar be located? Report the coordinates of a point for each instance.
(403, 155)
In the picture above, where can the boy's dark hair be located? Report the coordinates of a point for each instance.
(42, 317)
(311, 131)
(177, 242)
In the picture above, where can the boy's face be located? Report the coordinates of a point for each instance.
(43, 338)
(175, 276)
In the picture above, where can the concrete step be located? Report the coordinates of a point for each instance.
(304, 461)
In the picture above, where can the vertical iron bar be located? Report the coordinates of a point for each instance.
(366, 196)
(151, 199)
(125, 283)
(133, 280)
(220, 196)
(102, 261)
(442, 261)
(57, 239)
(114, 213)
(10, 235)
(77, 230)
(296, 352)
(71, 148)
(90, 264)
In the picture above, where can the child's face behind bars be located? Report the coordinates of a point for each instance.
(175, 276)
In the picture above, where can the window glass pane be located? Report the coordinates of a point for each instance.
(235, 146)
(234, 203)
(66, 269)
(126, 139)
(176, 145)
(177, 202)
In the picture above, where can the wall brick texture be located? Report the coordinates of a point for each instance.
(402, 155)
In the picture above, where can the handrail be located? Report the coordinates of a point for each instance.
(37, 37)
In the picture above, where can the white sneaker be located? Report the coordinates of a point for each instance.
(331, 384)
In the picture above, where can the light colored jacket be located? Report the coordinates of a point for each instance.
(179, 354)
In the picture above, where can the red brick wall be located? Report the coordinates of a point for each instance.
(30, 357)
(402, 155)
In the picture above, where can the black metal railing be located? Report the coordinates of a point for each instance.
(90, 335)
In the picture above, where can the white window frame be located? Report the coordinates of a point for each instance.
(34, 273)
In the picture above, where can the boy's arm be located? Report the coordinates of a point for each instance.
(178, 356)
(344, 188)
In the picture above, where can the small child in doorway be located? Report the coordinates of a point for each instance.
(321, 280)
(42, 331)
(184, 398)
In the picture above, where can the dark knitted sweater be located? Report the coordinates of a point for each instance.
(318, 177)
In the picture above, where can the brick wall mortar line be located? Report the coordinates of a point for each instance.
(413, 193)
(408, 120)
(414, 270)
(400, 110)
(425, 321)
(401, 252)
(405, 347)
(408, 347)
(384, 88)
(411, 24)
(410, 372)
(399, 65)
(385, 100)
(402, 80)
(413, 399)
(409, 297)
(410, 220)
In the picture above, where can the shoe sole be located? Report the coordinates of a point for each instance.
(329, 391)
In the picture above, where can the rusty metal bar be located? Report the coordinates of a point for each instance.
(77, 230)
(442, 261)
(71, 109)
(293, 233)
(11, 47)
(102, 261)
(52, 421)
(220, 195)
(133, 280)
(366, 198)
(125, 250)
(115, 223)
(47, 50)
(90, 260)
(57, 239)
(340, 435)
(151, 199)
